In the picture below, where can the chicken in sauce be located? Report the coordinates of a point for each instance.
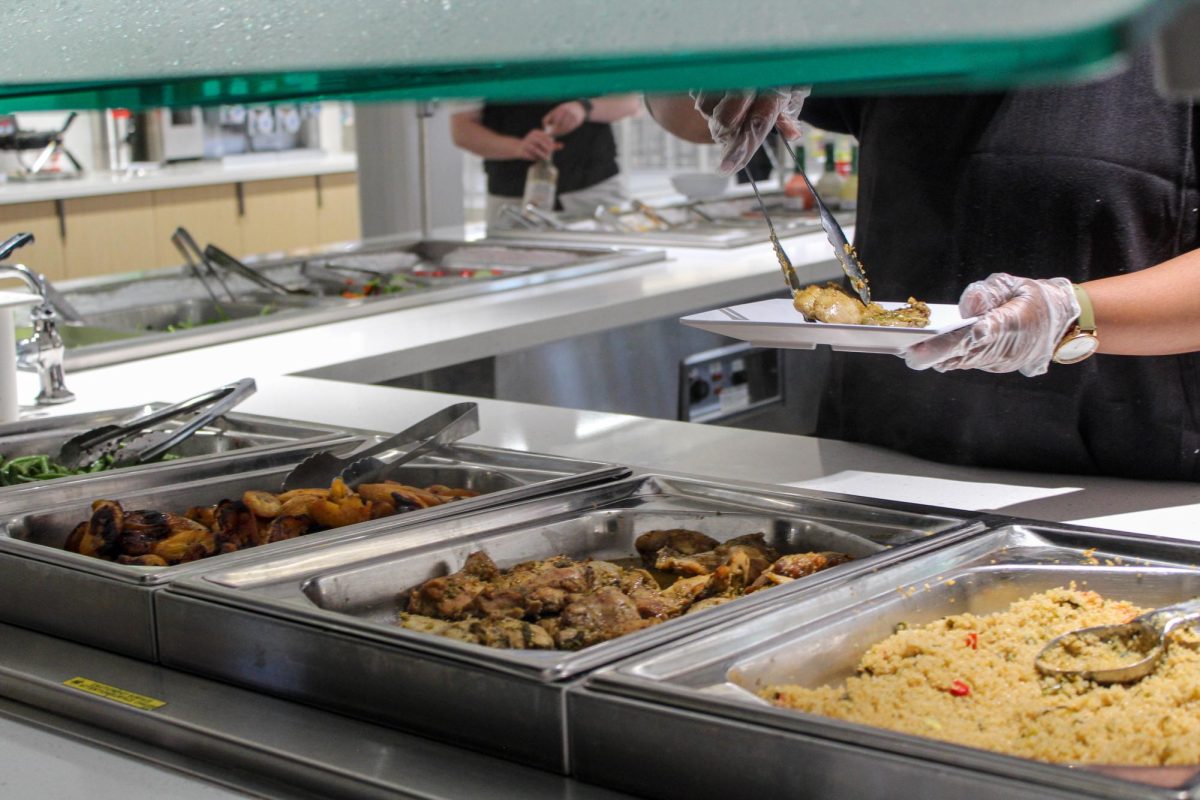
(562, 603)
(831, 303)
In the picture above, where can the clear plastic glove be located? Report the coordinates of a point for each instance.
(740, 121)
(1021, 321)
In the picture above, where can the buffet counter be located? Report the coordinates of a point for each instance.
(211, 739)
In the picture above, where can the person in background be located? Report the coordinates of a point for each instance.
(577, 134)
(1043, 202)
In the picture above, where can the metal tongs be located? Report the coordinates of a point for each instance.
(200, 267)
(137, 441)
(448, 425)
(842, 248)
(650, 213)
(785, 263)
(214, 254)
(1144, 638)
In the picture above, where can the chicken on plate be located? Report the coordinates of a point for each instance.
(831, 303)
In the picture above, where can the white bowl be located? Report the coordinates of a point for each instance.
(700, 185)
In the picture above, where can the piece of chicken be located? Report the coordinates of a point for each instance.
(829, 303)
(509, 634)
(450, 597)
(679, 540)
(754, 545)
(235, 526)
(598, 617)
(185, 540)
(796, 565)
(283, 528)
(98, 537)
(672, 601)
(740, 569)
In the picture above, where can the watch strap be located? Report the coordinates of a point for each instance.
(587, 107)
(1087, 314)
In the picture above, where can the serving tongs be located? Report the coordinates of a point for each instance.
(785, 263)
(448, 425)
(216, 255)
(1143, 638)
(138, 441)
(200, 267)
(651, 213)
(336, 275)
(842, 249)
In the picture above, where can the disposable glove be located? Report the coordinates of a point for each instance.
(740, 121)
(1021, 321)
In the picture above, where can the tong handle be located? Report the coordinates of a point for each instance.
(85, 449)
(226, 261)
(450, 424)
(195, 257)
(218, 401)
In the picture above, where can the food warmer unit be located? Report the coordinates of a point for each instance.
(463, 49)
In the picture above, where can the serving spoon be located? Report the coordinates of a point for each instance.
(1144, 637)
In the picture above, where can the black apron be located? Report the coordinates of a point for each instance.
(1082, 182)
(588, 155)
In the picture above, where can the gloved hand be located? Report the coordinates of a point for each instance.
(740, 121)
(1021, 321)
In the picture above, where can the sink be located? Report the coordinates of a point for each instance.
(81, 335)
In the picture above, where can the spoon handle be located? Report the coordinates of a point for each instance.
(1168, 617)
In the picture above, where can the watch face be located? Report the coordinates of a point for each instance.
(1076, 349)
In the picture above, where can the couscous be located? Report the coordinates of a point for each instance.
(971, 680)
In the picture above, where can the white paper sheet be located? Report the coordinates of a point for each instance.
(967, 495)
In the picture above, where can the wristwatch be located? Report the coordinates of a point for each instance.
(587, 107)
(1080, 340)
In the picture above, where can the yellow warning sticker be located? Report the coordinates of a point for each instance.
(113, 693)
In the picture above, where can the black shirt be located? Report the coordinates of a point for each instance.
(1082, 182)
(588, 155)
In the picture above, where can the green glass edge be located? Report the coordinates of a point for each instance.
(960, 66)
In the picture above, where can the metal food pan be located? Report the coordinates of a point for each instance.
(108, 605)
(231, 433)
(319, 626)
(702, 691)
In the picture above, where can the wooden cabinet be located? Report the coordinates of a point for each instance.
(45, 255)
(279, 215)
(210, 213)
(114, 233)
(110, 233)
(337, 208)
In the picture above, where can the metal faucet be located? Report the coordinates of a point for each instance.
(43, 350)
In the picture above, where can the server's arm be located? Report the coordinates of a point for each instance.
(468, 132)
(1151, 312)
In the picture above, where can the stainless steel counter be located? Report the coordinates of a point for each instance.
(209, 740)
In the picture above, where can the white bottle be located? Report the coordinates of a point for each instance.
(541, 184)
(829, 187)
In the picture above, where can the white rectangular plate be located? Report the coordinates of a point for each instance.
(776, 323)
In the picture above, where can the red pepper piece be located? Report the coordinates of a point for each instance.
(973, 641)
(959, 689)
